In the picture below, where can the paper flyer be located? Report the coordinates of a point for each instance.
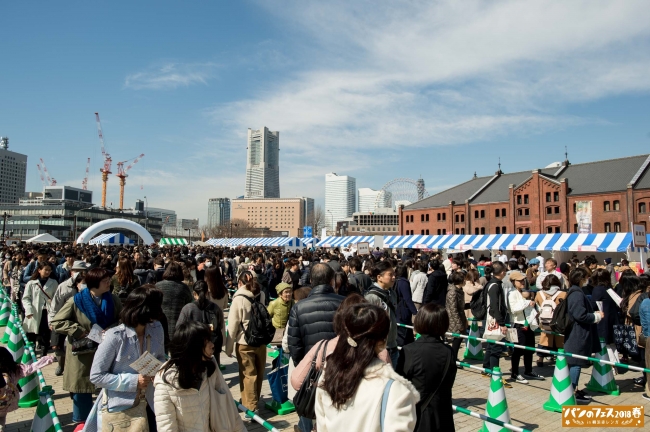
(614, 296)
(146, 364)
(96, 334)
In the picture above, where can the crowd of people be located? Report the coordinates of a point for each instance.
(348, 323)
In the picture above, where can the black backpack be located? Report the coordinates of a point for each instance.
(478, 305)
(562, 322)
(260, 329)
(214, 319)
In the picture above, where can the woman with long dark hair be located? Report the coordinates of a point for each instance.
(124, 280)
(430, 365)
(217, 292)
(37, 301)
(191, 366)
(355, 380)
(93, 305)
(601, 280)
(206, 312)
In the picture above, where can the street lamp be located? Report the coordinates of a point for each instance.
(74, 237)
(4, 224)
(146, 213)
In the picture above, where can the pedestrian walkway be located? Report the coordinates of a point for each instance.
(470, 391)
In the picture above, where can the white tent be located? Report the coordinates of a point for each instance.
(44, 238)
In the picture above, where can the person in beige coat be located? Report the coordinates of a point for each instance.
(190, 394)
(36, 302)
(251, 360)
(355, 380)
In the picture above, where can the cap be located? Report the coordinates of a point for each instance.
(517, 275)
(79, 265)
(282, 286)
(534, 261)
(608, 260)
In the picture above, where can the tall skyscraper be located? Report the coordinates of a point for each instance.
(218, 211)
(309, 209)
(13, 172)
(368, 199)
(340, 198)
(263, 164)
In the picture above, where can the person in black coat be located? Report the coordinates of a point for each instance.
(312, 319)
(430, 365)
(497, 309)
(583, 337)
(601, 280)
(405, 307)
(436, 289)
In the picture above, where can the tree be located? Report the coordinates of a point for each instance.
(236, 228)
(316, 220)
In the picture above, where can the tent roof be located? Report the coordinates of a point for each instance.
(44, 238)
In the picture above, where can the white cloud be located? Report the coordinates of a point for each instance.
(171, 76)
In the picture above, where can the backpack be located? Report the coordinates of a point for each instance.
(478, 305)
(215, 321)
(260, 329)
(634, 310)
(562, 322)
(305, 276)
(546, 310)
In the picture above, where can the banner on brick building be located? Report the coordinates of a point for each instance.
(583, 217)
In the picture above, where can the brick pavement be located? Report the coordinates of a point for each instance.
(470, 391)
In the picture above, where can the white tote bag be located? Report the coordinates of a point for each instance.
(492, 328)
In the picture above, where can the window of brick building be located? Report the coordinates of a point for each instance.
(575, 228)
(548, 197)
(444, 231)
(482, 230)
(608, 227)
(527, 231)
(556, 196)
(520, 212)
(422, 232)
(498, 230)
(503, 230)
(549, 230)
(518, 199)
(496, 213)
(606, 206)
(426, 218)
(475, 231)
(439, 232)
(457, 218)
(462, 217)
(427, 232)
(549, 210)
(575, 208)
(557, 229)
(444, 216)
(457, 231)
(503, 212)
(617, 205)
(421, 218)
(557, 210)
(462, 230)
(520, 230)
(475, 214)
(525, 199)
(617, 227)
(482, 214)
(438, 216)
(526, 212)
(642, 207)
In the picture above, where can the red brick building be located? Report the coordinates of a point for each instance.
(538, 201)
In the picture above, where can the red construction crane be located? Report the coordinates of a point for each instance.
(106, 169)
(51, 181)
(122, 174)
(40, 171)
(84, 183)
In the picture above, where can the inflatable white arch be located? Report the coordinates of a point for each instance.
(95, 229)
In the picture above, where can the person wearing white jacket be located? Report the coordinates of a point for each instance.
(522, 317)
(36, 301)
(419, 281)
(354, 381)
(190, 394)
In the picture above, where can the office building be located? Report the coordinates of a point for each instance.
(218, 211)
(539, 201)
(263, 164)
(167, 216)
(13, 172)
(368, 199)
(381, 221)
(282, 216)
(340, 198)
(309, 209)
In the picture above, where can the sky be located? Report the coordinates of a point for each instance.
(375, 90)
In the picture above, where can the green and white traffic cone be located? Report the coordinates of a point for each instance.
(602, 376)
(5, 309)
(42, 418)
(14, 339)
(497, 406)
(473, 348)
(561, 387)
(5, 337)
(28, 385)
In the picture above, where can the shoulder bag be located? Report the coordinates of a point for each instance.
(492, 327)
(305, 398)
(133, 419)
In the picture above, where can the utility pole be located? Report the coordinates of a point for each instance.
(5, 215)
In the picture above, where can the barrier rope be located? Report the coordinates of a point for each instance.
(488, 419)
(538, 330)
(41, 380)
(255, 417)
(467, 365)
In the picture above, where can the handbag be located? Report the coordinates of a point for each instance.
(133, 419)
(224, 415)
(625, 339)
(278, 378)
(492, 327)
(305, 397)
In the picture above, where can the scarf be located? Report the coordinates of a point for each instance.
(103, 316)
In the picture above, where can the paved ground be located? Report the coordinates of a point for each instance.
(470, 391)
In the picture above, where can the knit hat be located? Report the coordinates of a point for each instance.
(282, 286)
(608, 260)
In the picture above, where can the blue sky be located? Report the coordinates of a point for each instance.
(376, 90)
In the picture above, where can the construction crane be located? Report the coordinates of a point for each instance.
(122, 174)
(51, 181)
(106, 169)
(40, 171)
(84, 182)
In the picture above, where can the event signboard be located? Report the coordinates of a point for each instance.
(363, 248)
(639, 238)
(583, 217)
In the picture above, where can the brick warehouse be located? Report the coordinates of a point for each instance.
(538, 201)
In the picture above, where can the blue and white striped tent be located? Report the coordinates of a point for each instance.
(112, 239)
(309, 240)
(293, 242)
(603, 242)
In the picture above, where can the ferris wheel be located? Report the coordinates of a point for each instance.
(401, 191)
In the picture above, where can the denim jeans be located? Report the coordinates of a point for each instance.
(82, 403)
(574, 373)
(305, 424)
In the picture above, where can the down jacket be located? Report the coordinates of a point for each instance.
(191, 410)
(175, 296)
(455, 304)
(312, 320)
